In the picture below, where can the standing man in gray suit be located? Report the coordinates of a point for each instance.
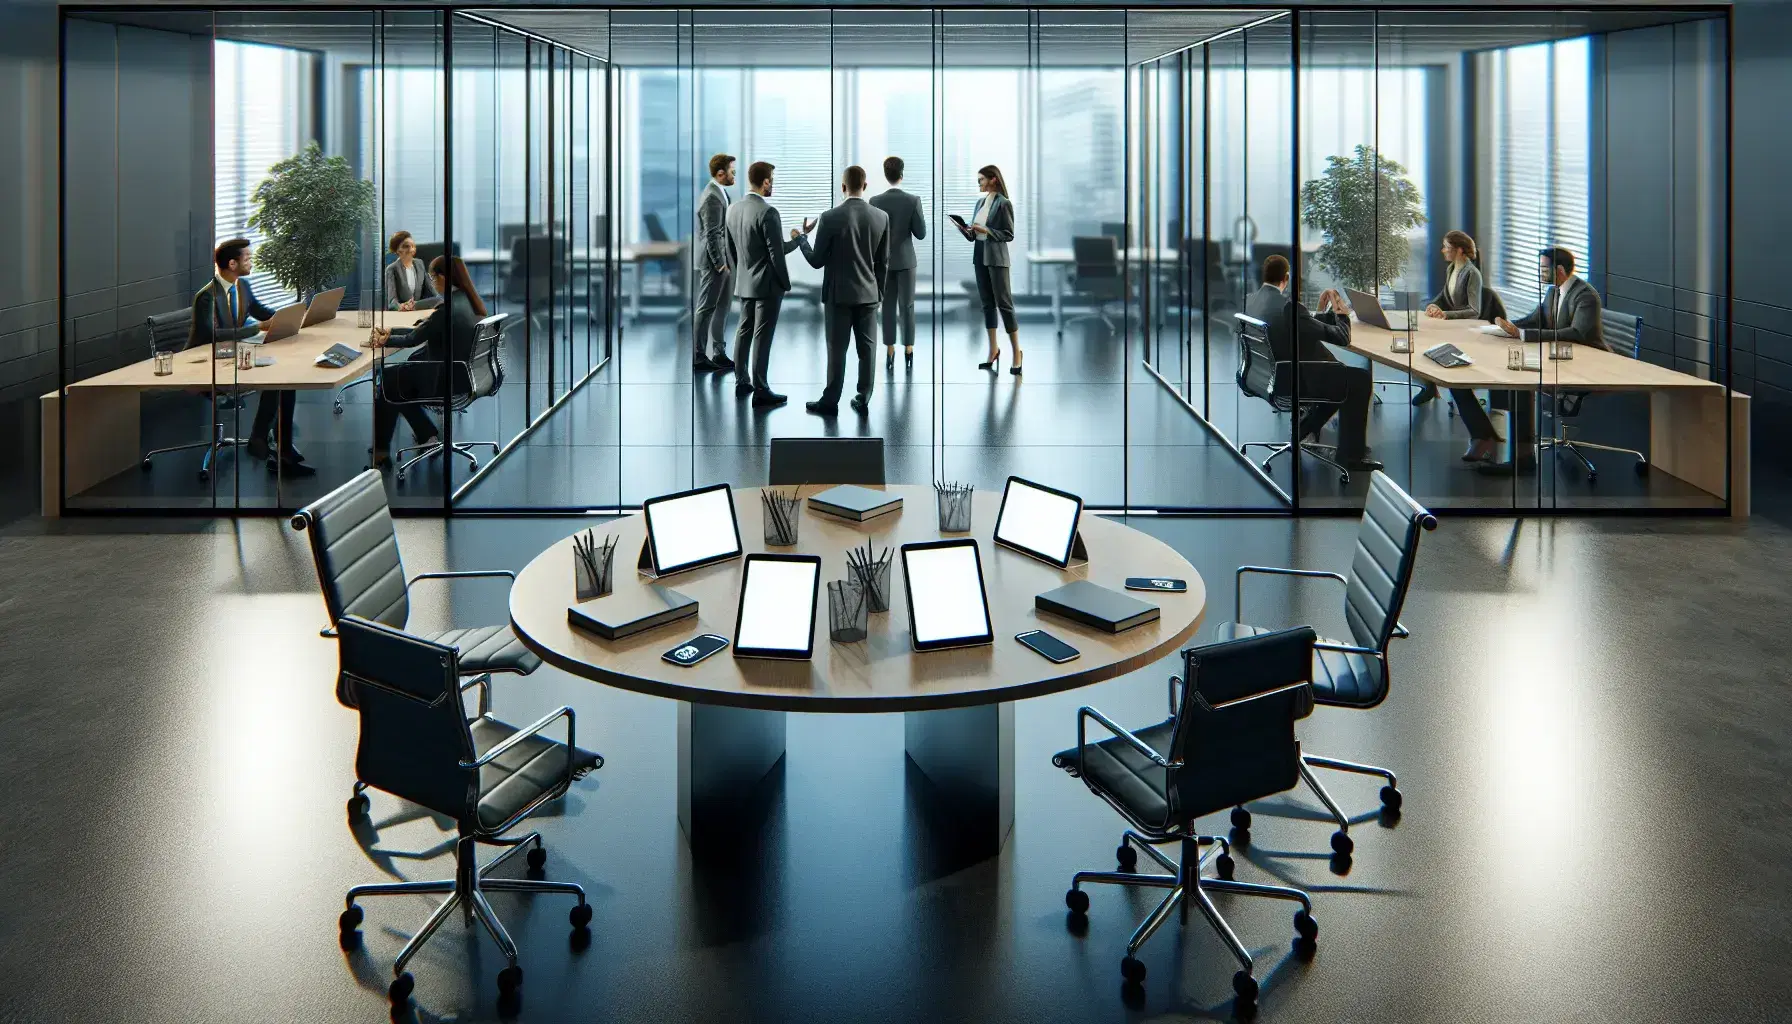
(907, 226)
(852, 249)
(756, 249)
(712, 270)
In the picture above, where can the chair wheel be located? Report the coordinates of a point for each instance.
(1305, 926)
(401, 987)
(1241, 818)
(1077, 900)
(1391, 798)
(1132, 969)
(1245, 987)
(537, 857)
(338, 409)
(1592, 477)
(1223, 865)
(357, 806)
(1305, 948)
(147, 465)
(1642, 468)
(1343, 478)
(472, 463)
(400, 476)
(351, 918)
(1127, 857)
(1342, 844)
(581, 916)
(510, 979)
(204, 475)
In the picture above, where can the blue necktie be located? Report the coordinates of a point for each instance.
(233, 320)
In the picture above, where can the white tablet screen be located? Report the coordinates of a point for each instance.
(692, 529)
(1038, 521)
(945, 592)
(777, 608)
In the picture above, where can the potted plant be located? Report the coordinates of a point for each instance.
(1364, 205)
(309, 212)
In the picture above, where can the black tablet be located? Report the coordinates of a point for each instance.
(947, 605)
(776, 618)
(691, 528)
(1038, 520)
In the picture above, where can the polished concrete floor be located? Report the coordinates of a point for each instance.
(1589, 723)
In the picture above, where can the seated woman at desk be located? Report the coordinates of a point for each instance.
(408, 287)
(1460, 297)
(446, 338)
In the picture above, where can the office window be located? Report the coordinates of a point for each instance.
(409, 156)
(262, 114)
(1539, 103)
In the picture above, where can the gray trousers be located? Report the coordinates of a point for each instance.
(711, 314)
(899, 303)
(993, 289)
(856, 323)
(758, 319)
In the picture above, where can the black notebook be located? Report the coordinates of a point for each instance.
(855, 503)
(1097, 606)
(635, 611)
(338, 356)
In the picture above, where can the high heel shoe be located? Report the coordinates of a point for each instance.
(1014, 370)
(908, 360)
(993, 364)
(890, 359)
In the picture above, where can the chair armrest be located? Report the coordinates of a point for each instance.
(472, 574)
(1271, 570)
(1326, 645)
(546, 720)
(1175, 681)
(1083, 714)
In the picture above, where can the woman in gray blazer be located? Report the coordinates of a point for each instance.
(1460, 299)
(990, 230)
(407, 284)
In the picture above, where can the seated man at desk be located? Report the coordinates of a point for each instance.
(1295, 332)
(222, 311)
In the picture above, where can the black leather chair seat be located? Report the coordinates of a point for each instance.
(1125, 775)
(488, 649)
(524, 772)
(1339, 677)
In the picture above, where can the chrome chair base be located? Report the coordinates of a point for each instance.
(342, 392)
(218, 443)
(434, 448)
(1095, 317)
(1573, 447)
(1326, 453)
(1342, 844)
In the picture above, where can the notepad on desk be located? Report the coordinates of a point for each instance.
(855, 503)
(1094, 605)
(625, 613)
(338, 356)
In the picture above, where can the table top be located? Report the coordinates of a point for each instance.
(1591, 369)
(881, 673)
(295, 364)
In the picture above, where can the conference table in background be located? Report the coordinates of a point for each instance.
(634, 255)
(1686, 413)
(958, 705)
(1064, 261)
(104, 412)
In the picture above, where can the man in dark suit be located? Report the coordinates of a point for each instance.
(907, 225)
(711, 259)
(756, 249)
(852, 249)
(1296, 333)
(222, 311)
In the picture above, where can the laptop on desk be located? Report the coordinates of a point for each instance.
(323, 307)
(285, 324)
(1368, 310)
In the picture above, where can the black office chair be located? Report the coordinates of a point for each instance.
(486, 774)
(1623, 334)
(169, 332)
(1229, 738)
(1355, 674)
(479, 377)
(826, 460)
(1261, 376)
(1095, 275)
(656, 231)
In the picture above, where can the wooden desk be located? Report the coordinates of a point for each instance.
(1686, 413)
(104, 425)
(958, 704)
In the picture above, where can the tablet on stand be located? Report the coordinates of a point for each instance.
(688, 530)
(1041, 522)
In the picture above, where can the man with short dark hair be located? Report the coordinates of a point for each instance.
(852, 249)
(756, 248)
(226, 309)
(907, 225)
(708, 351)
(1296, 333)
(1570, 311)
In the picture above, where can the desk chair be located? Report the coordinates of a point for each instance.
(1229, 737)
(168, 332)
(826, 460)
(481, 375)
(1260, 375)
(1355, 674)
(1095, 275)
(1624, 334)
(486, 774)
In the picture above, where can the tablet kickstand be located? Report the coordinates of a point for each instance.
(644, 564)
(1078, 553)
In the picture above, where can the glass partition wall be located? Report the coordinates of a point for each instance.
(1154, 161)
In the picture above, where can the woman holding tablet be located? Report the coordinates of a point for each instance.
(990, 230)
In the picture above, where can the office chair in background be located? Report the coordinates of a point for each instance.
(1095, 275)
(1261, 376)
(1624, 335)
(168, 332)
(479, 377)
(1229, 738)
(485, 774)
(826, 460)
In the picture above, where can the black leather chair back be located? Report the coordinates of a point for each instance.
(1257, 361)
(1234, 738)
(1491, 305)
(169, 332)
(826, 460)
(485, 366)
(414, 735)
(1387, 545)
(356, 552)
(656, 231)
(1623, 332)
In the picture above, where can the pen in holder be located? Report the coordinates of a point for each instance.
(591, 564)
(848, 621)
(955, 506)
(364, 312)
(782, 513)
(872, 572)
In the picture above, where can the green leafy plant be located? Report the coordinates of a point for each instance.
(1365, 206)
(309, 211)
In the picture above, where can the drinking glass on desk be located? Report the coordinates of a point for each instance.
(364, 311)
(1400, 343)
(245, 357)
(164, 364)
(1514, 357)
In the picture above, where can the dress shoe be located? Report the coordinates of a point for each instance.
(908, 360)
(822, 408)
(768, 400)
(1363, 463)
(258, 448)
(860, 405)
(287, 467)
(722, 363)
(703, 366)
(1481, 451)
(890, 359)
(1526, 468)
(743, 389)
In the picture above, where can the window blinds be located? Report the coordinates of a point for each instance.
(1540, 110)
(261, 115)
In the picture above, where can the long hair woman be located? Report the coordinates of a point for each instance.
(440, 341)
(990, 231)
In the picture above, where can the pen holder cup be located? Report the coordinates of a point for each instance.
(783, 516)
(164, 364)
(877, 588)
(592, 580)
(245, 357)
(955, 510)
(848, 621)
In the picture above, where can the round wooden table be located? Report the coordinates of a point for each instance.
(958, 704)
